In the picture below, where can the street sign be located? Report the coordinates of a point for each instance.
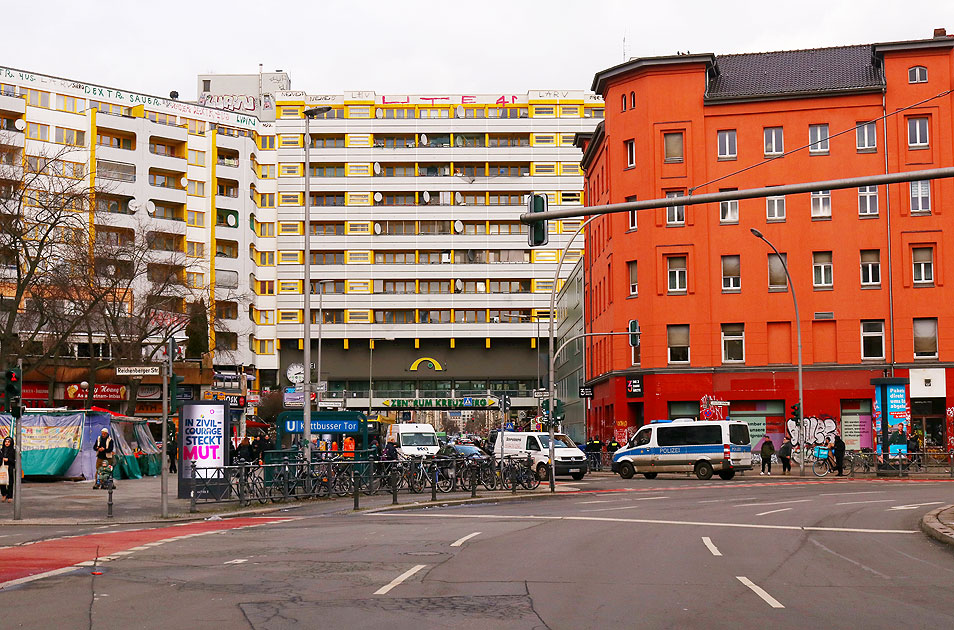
(541, 393)
(320, 386)
(586, 392)
(508, 426)
(137, 370)
(718, 403)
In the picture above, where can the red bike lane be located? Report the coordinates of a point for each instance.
(33, 561)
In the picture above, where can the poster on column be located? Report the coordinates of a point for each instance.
(203, 442)
(898, 415)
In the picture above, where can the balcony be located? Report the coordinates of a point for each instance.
(11, 104)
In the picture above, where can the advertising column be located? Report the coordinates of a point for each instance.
(203, 441)
(892, 410)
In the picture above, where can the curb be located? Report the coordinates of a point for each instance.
(178, 518)
(933, 527)
(468, 501)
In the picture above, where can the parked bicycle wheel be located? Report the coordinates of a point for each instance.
(342, 485)
(488, 477)
(821, 467)
(257, 490)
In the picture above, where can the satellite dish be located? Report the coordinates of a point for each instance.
(379, 113)
(426, 196)
(184, 181)
(134, 205)
(378, 197)
(423, 138)
(150, 208)
(458, 226)
(377, 228)
(111, 270)
(459, 285)
(460, 111)
(377, 168)
(458, 199)
(459, 141)
(471, 255)
(20, 124)
(231, 220)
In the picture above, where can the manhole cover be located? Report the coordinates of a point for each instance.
(422, 553)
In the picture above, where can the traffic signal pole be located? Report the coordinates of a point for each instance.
(17, 426)
(163, 472)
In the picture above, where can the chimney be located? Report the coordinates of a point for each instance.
(940, 32)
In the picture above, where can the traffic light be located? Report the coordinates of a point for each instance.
(505, 403)
(559, 413)
(12, 390)
(634, 333)
(796, 412)
(539, 232)
(174, 383)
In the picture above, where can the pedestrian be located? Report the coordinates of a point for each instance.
(785, 455)
(104, 454)
(914, 450)
(172, 452)
(767, 450)
(390, 451)
(613, 446)
(245, 452)
(839, 455)
(8, 461)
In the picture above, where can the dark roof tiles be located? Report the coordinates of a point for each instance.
(795, 72)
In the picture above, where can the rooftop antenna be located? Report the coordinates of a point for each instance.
(625, 55)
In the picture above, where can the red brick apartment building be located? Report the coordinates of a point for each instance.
(869, 266)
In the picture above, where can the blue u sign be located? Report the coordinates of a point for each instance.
(324, 426)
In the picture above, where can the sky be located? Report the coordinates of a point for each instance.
(415, 47)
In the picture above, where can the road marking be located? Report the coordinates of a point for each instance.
(758, 590)
(773, 503)
(708, 543)
(835, 494)
(734, 499)
(38, 576)
(773, 511)
(384, 589)
(847, 559)
(860, 502)
(648, 521)
(236, 561)
(914, 506)
(461, 541)
(589, 502)
(625, 507)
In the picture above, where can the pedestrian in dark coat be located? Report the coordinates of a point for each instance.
(8, 458)
(839, 455)
(768, 449)
(785, 455)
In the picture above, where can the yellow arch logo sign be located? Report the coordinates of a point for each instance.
(427, 362)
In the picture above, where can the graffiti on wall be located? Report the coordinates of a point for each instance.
(236, 102)
(817, 428)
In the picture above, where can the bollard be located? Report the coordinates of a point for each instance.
(434, 485)
(513, 479)
(242, 490)
(356, 486)
(394, 484)
(285, 477)
(192, 508)
(475, 471)
(109, 501)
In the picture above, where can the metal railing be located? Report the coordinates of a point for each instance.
(337, 476)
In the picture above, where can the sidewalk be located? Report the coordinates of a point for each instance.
(138, 501)
(939, 524)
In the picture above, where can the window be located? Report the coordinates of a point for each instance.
(633, 278)
(677, 273)
(677, 336)
(70, 136)
(195, 219)
(920, 197)
(196, 158)
(36, 131)
(196, 188)
(925, 338)
(675, 215)
(868, 201)
(870, 267)
(727, 144)
(623, 108)
(923, 260)
(731, 274)
(195, 249)
(866, 136)
(774, 141)
(918, 133)
(729, 210)
(632, 215)
(673, 146)
(632, 100)
(822, 270)
(917, 74)
(775, 208)
(36, 98)
(733, 343)
(195, 280)
(872, 339)
(821, 204)
(818, 139)
(630, 153)
(778, 280)
(70, 103)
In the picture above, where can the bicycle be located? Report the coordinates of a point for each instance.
(860, 462)
(251, 484)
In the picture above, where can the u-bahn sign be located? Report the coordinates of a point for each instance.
(440, 403)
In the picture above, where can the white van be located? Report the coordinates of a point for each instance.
(414, 440)
(686, 445)
(570, 460)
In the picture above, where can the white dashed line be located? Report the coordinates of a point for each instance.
(860, 502)
(708, 543)
(773, 511)
(773, 503)
(835, 494)
(758, 590)
(396, 581)
(236, 561)
(461, 541)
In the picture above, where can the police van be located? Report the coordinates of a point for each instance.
(686, 445)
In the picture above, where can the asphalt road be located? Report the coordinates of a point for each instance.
(666, 553)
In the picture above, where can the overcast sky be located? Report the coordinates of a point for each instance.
(410, 46)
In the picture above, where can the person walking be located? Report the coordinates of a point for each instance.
(172, 452)
(8, 460)
(785, 455)
(104, 453)
(613, 446)
(767, 450)
(839, 455)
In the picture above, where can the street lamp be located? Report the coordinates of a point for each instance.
(798, 332)
(306, 415)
